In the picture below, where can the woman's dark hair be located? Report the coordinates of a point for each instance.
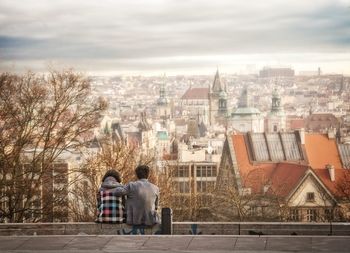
(112, 173)
(142, 171)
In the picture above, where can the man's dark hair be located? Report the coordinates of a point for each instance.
(142, 171)
(112, 173)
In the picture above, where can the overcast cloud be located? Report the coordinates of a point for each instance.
(174, 35)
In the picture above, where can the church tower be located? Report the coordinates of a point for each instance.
(276, 119)
(246, 118)
(163, 105)
(217, 101)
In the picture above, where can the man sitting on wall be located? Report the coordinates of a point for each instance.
(142, 199)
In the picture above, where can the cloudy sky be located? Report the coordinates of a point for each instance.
(174, 36)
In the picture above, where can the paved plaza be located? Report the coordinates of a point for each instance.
(175, 243)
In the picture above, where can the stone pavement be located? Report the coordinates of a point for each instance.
(175, 243)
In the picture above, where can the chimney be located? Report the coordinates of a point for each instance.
(331, 172)
(302, 136)
(331, 133)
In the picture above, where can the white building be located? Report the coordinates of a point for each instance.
(246, 118)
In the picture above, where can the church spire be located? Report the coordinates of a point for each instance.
(162, 100)
(217, 85)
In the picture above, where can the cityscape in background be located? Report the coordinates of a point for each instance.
(242, 110)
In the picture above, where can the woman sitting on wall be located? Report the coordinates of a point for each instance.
(110, 207)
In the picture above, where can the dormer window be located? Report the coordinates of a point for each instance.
(310, 197)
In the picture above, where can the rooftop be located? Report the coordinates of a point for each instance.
(196, 93)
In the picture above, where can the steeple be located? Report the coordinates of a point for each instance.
(217, 85)
(276, 102)
(162, 100)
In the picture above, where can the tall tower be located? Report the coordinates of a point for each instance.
(217, 100)
(276, 119)
(163, 105)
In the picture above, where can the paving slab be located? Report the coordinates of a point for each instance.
(11, 243)
(125, 243)
(289, 243)
(87, 243)
(167, 243)
(45, 243)
(250, 243)
(212, 243)
(331, 244)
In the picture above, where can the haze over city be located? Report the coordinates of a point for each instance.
(177, 37)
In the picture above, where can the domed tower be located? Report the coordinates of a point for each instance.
(246, 118)
(276, 119)
(217, 101)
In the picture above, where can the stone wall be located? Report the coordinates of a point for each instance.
(179, 228)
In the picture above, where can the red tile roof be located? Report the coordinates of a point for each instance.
(341, 186)
(281, 177)
(297, 124)
(321, 151)
(196, 93)
(284, 177)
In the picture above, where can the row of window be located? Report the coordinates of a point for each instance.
(310, 215)
(202, 186)
(275, 147)
(201, 171)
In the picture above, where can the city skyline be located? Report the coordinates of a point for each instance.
(176, 37)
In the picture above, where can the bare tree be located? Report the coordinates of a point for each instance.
(41, 116)
(112, 155)
(343, 192)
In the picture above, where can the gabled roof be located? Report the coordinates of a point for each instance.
(286, 177)
(283, 177)
(342, 176)
(196, 93)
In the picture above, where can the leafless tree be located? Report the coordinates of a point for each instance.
(113, 154)
(41, 116)
(343, 190)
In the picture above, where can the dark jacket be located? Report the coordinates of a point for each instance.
(110, 207)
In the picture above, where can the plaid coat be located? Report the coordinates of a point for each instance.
(110, 207)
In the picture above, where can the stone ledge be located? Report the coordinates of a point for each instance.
(179, 228)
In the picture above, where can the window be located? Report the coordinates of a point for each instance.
(311, 215)
(310, 197)
(290, 146)
(181, 171)
(275, 146)
(253, 211)
(205, 186)
(294, 215)
(183, 187)
(260, 147)
(206, 171)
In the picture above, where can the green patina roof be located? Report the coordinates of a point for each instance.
(162, 135)
(246, 111)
